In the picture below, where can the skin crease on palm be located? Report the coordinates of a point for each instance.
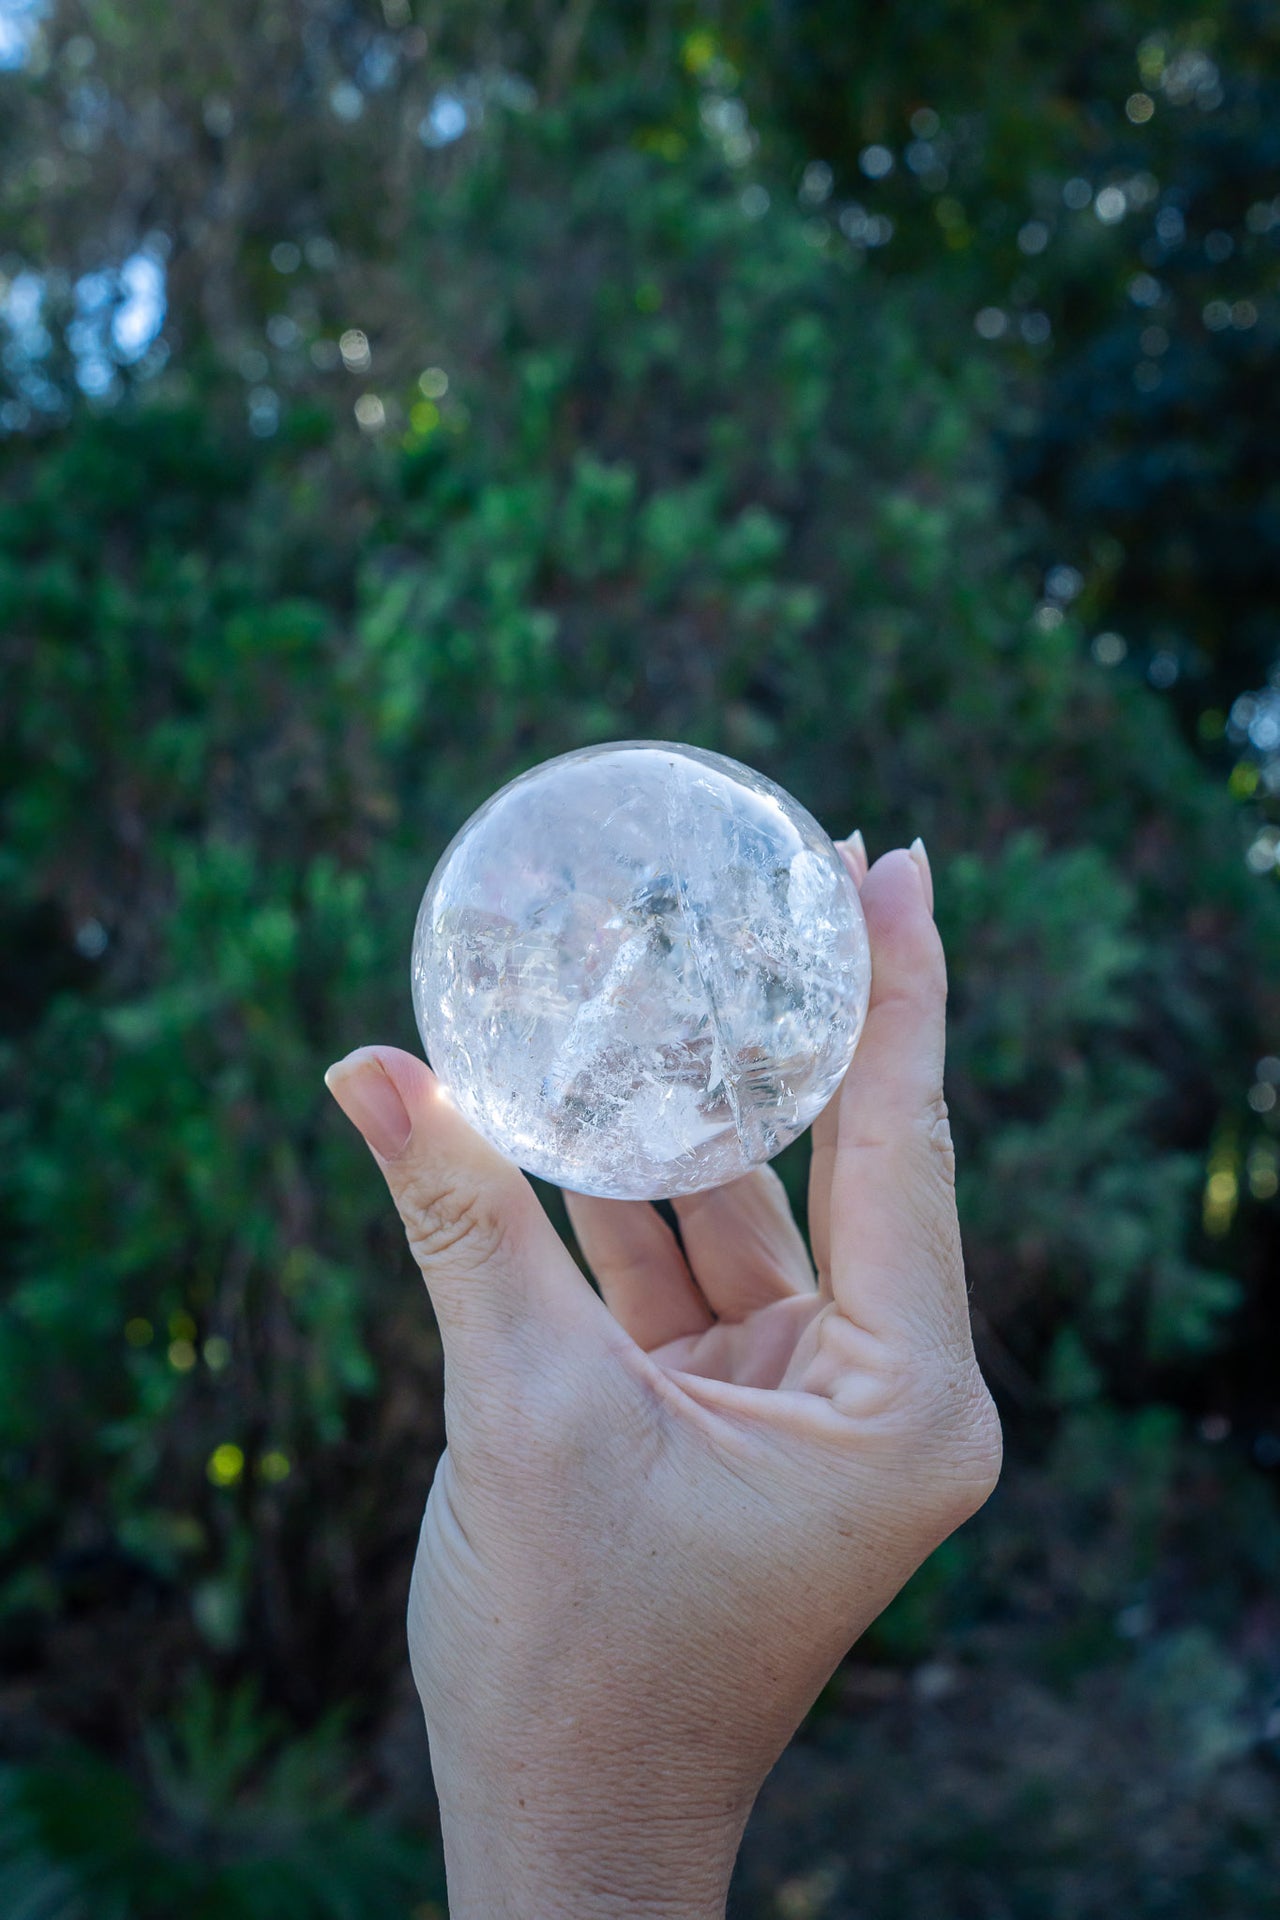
(667, 1509)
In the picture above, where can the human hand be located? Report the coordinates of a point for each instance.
(665, 1515)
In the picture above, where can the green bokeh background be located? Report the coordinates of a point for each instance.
(393, 395)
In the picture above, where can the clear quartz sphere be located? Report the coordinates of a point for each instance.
(640, 970)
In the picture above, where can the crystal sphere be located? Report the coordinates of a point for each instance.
(640, 970)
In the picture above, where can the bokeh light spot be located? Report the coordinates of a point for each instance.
(353, 345)
(1221, 1197)
(226, 1464)
(1264, 1169)
(698, 51)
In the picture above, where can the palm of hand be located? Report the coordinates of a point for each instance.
(735, 1298)
(756, 1351)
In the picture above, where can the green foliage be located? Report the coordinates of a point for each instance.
(1141, 323)
(1055, 978)
(218, 1820)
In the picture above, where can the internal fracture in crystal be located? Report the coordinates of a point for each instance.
(640, 970)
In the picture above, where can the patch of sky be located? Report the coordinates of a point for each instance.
(445, 120)
(459, 109)
(26, 343)
(19, 26)
(117, 315)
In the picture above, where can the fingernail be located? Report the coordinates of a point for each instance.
(858, 848)
(921, 858)
(853, 851)
(362, 1088)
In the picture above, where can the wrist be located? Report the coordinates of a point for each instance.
(559, 1840)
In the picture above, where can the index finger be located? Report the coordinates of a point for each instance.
(896, 1267)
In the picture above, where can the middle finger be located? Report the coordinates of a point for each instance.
(743, 1247)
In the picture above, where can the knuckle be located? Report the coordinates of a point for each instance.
(445, 1219)
(958, 1420)
(932, 1411)
(929, 1427)
(940, 1140)
(977, 1446)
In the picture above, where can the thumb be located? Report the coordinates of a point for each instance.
(896, 1264)
(490, 1257)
